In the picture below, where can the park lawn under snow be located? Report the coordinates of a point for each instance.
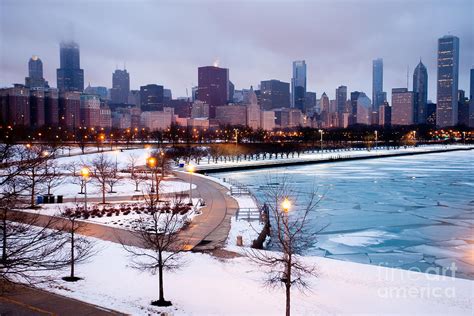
(70, 188)
(118, 220)
(209, 286)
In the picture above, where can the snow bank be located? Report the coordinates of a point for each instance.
(210, 286)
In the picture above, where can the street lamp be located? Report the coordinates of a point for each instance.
(162, 155)
(191, 170)
(414, 137)
(321, 132)
(286, 204)
(376, 139)
(116, 160)
(151, 163)
(85, 175)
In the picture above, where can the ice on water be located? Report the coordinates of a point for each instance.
(406, 212)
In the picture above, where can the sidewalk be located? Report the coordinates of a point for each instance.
(29, 301)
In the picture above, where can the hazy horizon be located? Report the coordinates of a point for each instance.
(165, 43)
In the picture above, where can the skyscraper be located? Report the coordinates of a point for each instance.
(70, 76)
(35, 74)
(377, 83)
(364, 109)
(298, 85)
(213, 87)
(420, 87)
(120, 86)
(447, 83)
(403, 107)
(471, 100)
(274, 94)
(341, 98)
(151, 97)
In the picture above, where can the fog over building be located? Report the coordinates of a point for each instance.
(70, 76)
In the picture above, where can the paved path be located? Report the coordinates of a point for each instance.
(210, 229)
(28, 301)
(207, 231)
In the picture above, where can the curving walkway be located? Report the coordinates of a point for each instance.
(209, 230)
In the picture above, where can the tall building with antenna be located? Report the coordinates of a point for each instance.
(120, 86)
(420, 87)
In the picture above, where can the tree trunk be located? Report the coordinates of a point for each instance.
(33, 185)
(4, 233)
(160, 277)
(72, 250)
(288, 285)
(103, 193)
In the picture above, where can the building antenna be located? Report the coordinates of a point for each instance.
(408, 70)
(124, 65)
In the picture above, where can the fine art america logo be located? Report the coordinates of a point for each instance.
(430, 283)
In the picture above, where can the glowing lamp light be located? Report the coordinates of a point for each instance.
(286, 204)
(151, 162)
(85, 172)
(191, 168)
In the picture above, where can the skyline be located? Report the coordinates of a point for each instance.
(251, 55)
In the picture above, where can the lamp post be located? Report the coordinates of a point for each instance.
(85, 175)
(151, 163)
(376, 139)
(162, 155)
(286, 204)
(414, 137)
(116, 160)
(321, 141)
(191, 171)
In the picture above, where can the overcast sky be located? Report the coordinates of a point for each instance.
(164, 42)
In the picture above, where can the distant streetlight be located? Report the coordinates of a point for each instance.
(321, 133)
(376, 139)
(286, 204)
(151, 163)
(191, 170)
(85, 176)
(116, 160)
(414, 137)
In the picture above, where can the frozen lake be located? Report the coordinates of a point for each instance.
(414, 212)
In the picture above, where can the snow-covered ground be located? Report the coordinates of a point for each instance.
(124, 187)
(116, 214)
(210, 286)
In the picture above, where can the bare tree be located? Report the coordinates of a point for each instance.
(161, 246)
(136, 176)
(81, 248)
(27, 250)
(35, 161)
(291, 236)
(113, 180)
(54, 177)
(102, 170)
